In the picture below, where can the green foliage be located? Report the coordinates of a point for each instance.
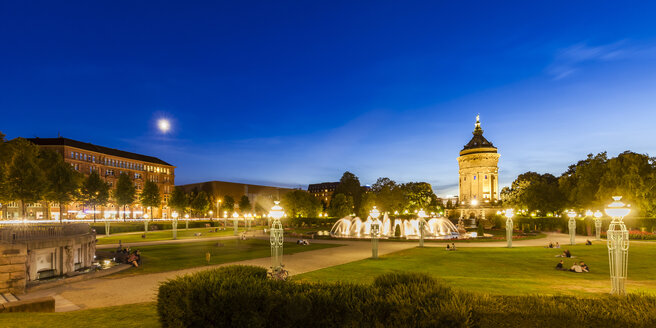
(125, 192)
(242, 296)
(150, 196)
(397, 230)
(178, 200)
(299, 203)
(228, 204)
(480, 229)
(94, 191)
(340, 206)
(63, 182)
(389, 195)
(24, 178)
(200, 203)
(245, 205)
(349, 185)
(369, 200)
(535, 192)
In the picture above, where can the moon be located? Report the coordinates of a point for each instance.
(164, 125)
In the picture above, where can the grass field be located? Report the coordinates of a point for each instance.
(132, 237)
(124, 316)
(502, 271)
(169, 257)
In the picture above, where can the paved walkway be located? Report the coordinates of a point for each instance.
(110, 291)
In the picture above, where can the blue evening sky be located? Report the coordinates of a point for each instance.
(291, 93)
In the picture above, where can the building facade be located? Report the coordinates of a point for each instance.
(110, 164)
(478, 176)
(257, 194)
(323, 191)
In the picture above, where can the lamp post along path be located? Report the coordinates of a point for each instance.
(421, 225)
(509, 226)
(174, 225)
(571, 224)
(235, 216)
(597, 220)
(276, 237)
(618, 245)
(375, 232)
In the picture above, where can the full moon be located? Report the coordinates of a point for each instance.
(164, 125)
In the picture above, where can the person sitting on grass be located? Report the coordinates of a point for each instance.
(566, 253)
(588, 242)
(576, 268)
(559, 266)
(584, 267)
(448, 248)
(453, 246)
(551, 245)
(132, 259)
(557, 245)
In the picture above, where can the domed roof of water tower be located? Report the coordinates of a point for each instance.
(478, 143)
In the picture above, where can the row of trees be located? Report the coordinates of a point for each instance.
(31, 174)
(386, 194)
(590, 183)
(199, 203)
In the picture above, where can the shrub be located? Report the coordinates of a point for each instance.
(397, 231)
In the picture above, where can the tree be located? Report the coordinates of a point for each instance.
(535, 192)
(369, 200)
(228, 204)
(5, 159)
(125, 192)
(580, 183)
(24, 179)
(632, 176)
(340, 206)
(63, 182)
(389, 195)
(94, 192)
(245, 205)
(418, 195)
(299, 203)
(150, 196)
(178, 200)
(200, 203)
(349, 185)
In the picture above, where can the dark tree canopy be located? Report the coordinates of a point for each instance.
(299, 203)
(125, 192)
(178, 201)
(340, 206)
(245, 205)
(228, 204)
(150, 196)
(349, 185)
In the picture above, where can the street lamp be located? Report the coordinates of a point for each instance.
(186, 221)
(107, 223)
(571, 224)
(421, 224)
(509, 226)
(276, 237)
(145, 223)
(375, 232)
(174, 224)
(617, 239)
(598, 216)
(211, 215)
(235, 216)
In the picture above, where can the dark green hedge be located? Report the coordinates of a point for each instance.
(118, 227)
(584, 226)
(242, 296)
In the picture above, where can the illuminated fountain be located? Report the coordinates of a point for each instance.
(434, 228)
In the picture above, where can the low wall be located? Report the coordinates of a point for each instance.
(12, 268)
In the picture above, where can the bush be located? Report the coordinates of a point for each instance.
(119, 227)
(243, 296)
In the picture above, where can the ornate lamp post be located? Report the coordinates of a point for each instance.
(597, 220)
(571, 224)
(509, 226)
(174, 225)
(186, 221)
(276, 236)
(211, 215)
(618, 245)
(375, 232)
(234, 218)
(107, 223)
(421, 224)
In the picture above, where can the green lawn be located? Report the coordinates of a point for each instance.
(168, 234)
(169, 257)
(502, 271)
(124, 316)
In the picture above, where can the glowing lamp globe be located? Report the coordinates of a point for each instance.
(474, 202)
(174, 215)
(509, 213)
(617, 209)
(235, 215)
(421, 213)
(571, 214)
(145, 216)
(186, 216)
(598, 214)
(588, 213)
(211, 212)
(374, 213)
(276, 211)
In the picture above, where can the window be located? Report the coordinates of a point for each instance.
(72, 154)
(486, 177)
(474, 177)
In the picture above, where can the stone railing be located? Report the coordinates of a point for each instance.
(34, 232)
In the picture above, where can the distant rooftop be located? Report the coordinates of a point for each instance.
(61, 141)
